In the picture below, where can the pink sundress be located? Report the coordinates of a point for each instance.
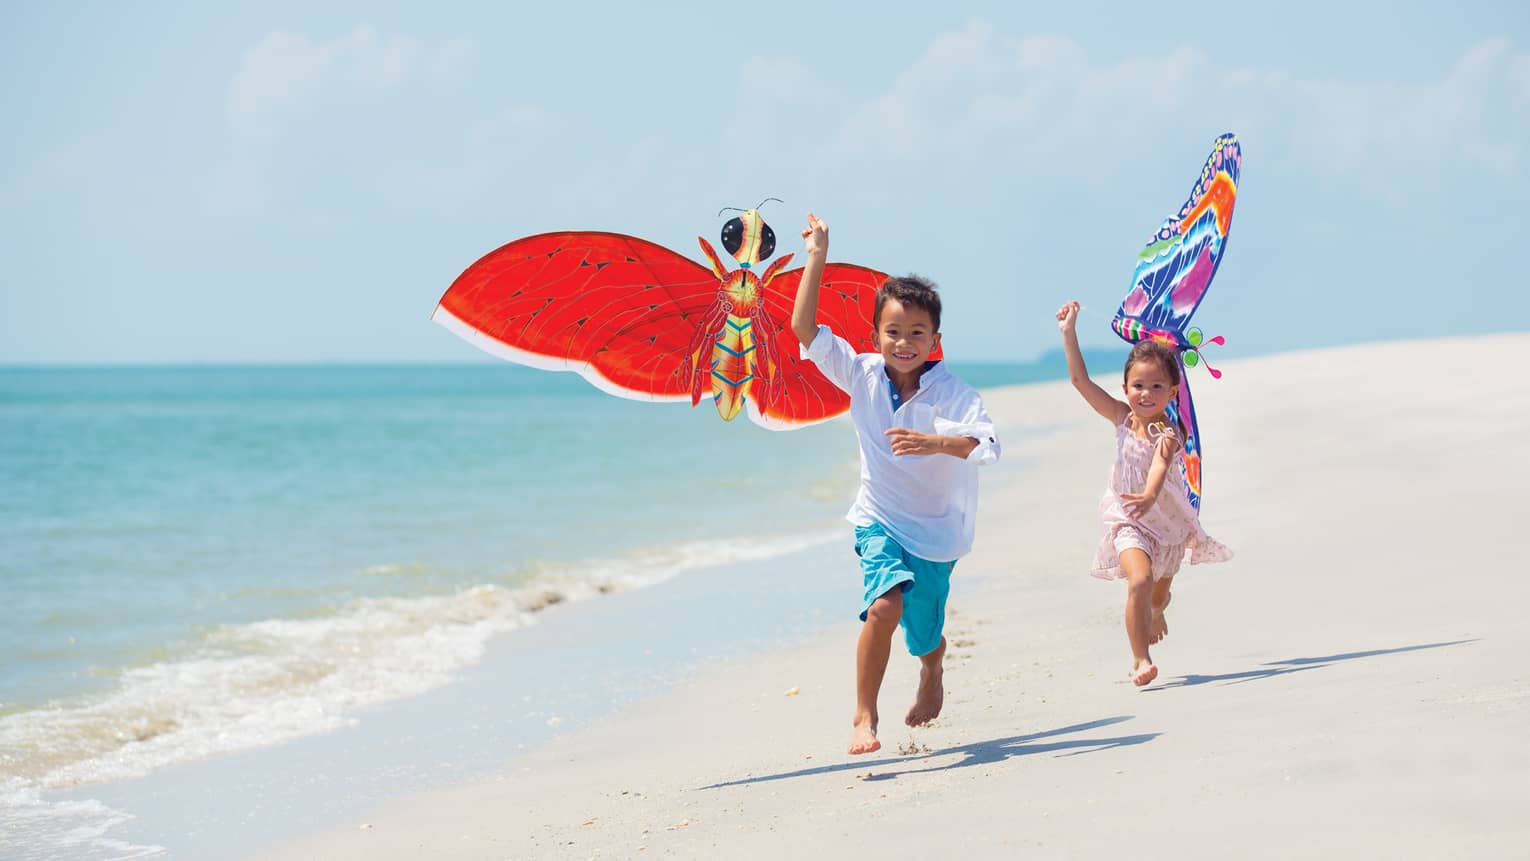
(1171, 530)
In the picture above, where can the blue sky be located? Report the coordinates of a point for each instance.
(278, 182)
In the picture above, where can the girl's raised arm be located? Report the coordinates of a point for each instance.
(1108, 407)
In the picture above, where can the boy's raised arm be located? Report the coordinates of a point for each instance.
(805, 309)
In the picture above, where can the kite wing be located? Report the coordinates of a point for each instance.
(1182, 411)
(1176, 267)
(634, 318)
(1172, 276)
(620, 311)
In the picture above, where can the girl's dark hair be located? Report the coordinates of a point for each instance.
(1154, 353)
(911, 291)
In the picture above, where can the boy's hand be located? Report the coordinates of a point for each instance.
(1067, 316)
(1137, 505)
(905, 441)
(816, 237)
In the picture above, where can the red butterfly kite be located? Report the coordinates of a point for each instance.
(640, 321)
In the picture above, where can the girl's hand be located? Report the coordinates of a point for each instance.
(1137, 505)
(1067, 316)
(816, 237)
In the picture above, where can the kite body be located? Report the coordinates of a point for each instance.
(640, 321)
(1171, 278)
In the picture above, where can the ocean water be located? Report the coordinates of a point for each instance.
(200, 560)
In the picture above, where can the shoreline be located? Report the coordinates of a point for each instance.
(458, 633)
(550, 677)
(231, 689)
(1297, 678)
(1032, 673)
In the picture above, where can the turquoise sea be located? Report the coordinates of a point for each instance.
(200, 560)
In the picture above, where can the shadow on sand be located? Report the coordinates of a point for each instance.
(1293, 665)
(976, 753)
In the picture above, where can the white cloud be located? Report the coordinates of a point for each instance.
(274, 72)
(285, 68)
(781, 97)
(975, 91)
(1520, 72)
(1384, 129)
(287, 76)
(472, 161)
(606, 184)
(1042, 100)
(73, 169)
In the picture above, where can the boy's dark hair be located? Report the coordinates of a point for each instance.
(911, 291)
(1153, 353)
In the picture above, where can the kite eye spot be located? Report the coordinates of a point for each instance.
(733, 235)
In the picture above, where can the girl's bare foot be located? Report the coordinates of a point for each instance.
(1158, 629)
(863, 739)
(929, 699)
(1145, 672)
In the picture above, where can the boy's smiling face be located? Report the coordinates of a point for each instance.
(906, 336)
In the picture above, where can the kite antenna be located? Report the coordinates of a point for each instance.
(1219, 341)
(762, 203)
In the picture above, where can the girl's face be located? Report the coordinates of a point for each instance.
(905, 335)
(1149, 390)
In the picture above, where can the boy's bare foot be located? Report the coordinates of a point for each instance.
(863, 739)
(1145, 673)
(929, 699)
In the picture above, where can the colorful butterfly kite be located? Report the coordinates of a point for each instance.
(640, 321)
(1171, 278)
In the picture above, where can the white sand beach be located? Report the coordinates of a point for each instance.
(1355, 682)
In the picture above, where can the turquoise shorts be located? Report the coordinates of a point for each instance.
(885, 565)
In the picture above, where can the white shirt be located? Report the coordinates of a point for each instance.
(928, 503)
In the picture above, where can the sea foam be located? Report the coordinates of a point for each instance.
(265, 682)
